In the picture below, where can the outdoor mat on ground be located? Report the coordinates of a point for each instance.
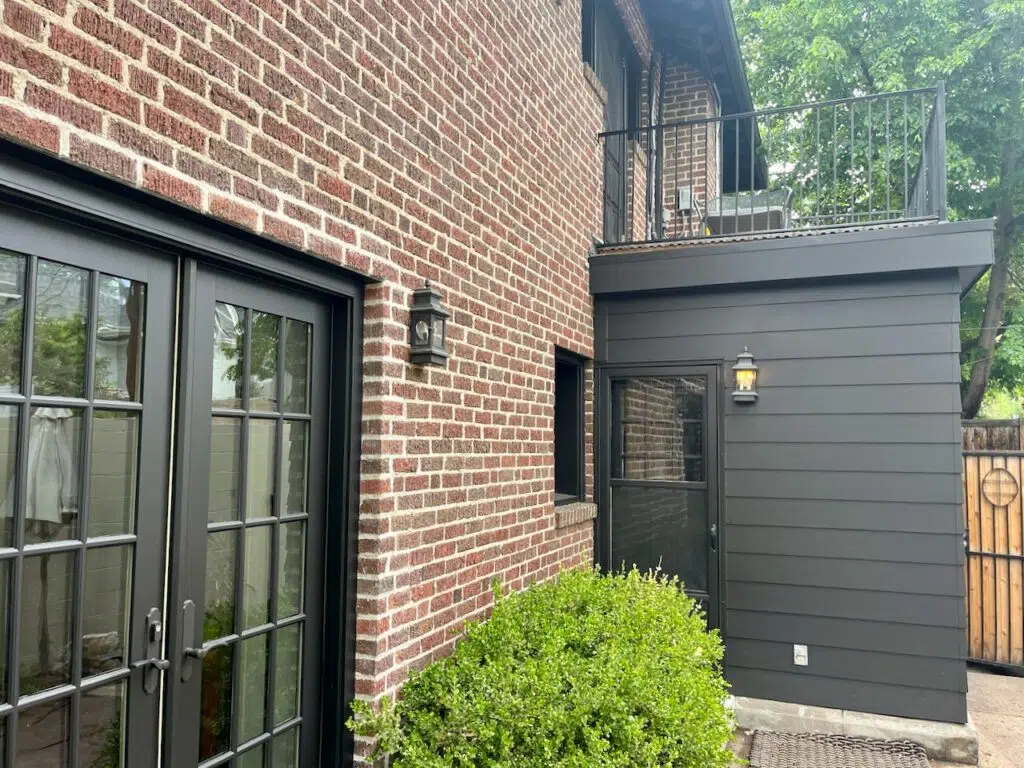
(816, 750)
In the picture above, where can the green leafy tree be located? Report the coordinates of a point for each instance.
(811, 50)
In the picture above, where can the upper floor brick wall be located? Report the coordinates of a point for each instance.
(332, 126)
(692, 150)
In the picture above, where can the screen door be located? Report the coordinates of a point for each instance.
(662, 496)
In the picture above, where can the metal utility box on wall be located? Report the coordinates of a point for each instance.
(839, 488)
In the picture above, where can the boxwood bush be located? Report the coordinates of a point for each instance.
(589, 669)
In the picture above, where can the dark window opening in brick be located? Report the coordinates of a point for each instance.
(568, 428)
(634, 91)
(589, 31)
(609, 51)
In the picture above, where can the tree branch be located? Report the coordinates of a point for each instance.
(864, 69)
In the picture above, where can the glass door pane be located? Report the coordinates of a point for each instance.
(257, 521)
(660, 430)
(73, 340)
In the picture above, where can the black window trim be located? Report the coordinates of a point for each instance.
(564, 357)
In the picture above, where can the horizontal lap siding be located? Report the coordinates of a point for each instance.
(841, 485)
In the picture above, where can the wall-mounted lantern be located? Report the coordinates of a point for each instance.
(745, 371)
(428, 326)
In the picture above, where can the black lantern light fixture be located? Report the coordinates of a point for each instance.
(428, 326)
(745, 372)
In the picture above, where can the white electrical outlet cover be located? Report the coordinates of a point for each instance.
(800, 655)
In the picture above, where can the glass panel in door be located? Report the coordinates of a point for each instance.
(659, 495)
(255, 618)
(73, 400)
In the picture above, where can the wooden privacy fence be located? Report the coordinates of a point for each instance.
(994, 541)
(991, 435)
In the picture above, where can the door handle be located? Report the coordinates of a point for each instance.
(714, 537)
(192, 654)
(161, 664)
(154, 665)
(151, 671)
(200, 653)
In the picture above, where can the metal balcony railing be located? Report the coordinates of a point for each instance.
(858, 161)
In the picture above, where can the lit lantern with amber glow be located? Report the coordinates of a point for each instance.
(745, 372)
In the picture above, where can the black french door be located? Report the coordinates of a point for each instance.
(252, 487)
(86, 372)
(660, 496)
(163, 487)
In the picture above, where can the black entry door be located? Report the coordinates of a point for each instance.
(661, 499)
(163, 502)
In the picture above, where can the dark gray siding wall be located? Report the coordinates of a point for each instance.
(841, 484)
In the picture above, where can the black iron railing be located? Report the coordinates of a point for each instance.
(856, 161)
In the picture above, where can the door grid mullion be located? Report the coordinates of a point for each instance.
(21, 491)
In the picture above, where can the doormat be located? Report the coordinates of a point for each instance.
(818, 750)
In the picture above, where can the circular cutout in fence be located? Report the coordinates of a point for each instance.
(999, 487)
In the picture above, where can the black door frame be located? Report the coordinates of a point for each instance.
(49, 186)
(603, 440)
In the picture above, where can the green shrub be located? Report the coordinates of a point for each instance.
(587, 670)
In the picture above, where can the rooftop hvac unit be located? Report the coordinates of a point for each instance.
(745, 212)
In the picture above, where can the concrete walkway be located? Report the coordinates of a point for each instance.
(996, 704)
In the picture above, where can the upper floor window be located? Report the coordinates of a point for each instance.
(589, 31)
(609, 51)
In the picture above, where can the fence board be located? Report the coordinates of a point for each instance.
(1015, 536)
(1002, 576)
(991, 435)
(988, 603)
(973, 511)
(994, 520)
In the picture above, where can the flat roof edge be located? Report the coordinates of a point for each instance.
(966, 246)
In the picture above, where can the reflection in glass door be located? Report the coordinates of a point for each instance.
(83, 404)
(251, 640)
(662, 493)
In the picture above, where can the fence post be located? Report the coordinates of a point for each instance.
(939, 148)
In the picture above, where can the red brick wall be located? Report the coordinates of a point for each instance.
(691, 151)
(637, 190)
(442, 139)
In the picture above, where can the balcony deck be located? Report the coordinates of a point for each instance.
(649, 246)
(857, 164)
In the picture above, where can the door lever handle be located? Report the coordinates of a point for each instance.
(161, 664)
(151, 672)
(714, 537)
(200, 653)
